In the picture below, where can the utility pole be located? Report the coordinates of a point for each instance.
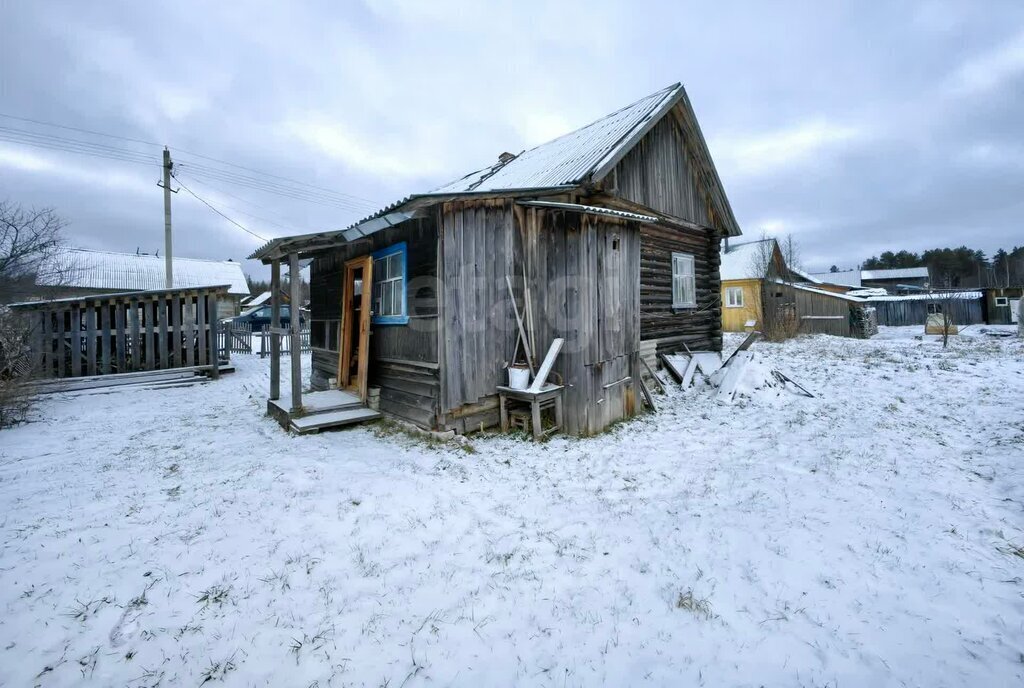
(168, 255)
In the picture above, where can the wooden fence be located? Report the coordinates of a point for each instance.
(125, 332)
(243, 338)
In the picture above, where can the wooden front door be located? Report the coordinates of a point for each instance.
(354, 354)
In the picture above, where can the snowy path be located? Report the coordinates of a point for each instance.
(863, 537)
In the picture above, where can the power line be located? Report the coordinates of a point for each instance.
(297, 194)
(243, 178)
(78, 129)
(53, 138)
(219, 190)
(211, 207)
(347, 201)
(59, 143)
(360, 199)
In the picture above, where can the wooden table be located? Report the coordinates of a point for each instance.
(549, 394)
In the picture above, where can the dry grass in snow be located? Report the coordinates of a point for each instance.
(870, 536)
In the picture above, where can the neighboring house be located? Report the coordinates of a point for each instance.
(82, 272)
(756, 279)
(746, 270)
(611, 231)
(894, 281)
(1001, 305)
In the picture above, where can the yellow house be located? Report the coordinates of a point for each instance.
(744, 269)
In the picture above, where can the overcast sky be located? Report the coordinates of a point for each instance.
(857, 127)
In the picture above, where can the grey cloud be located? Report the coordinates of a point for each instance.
(379, 99)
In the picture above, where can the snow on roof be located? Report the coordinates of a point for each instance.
(257, 300)
(568, 159)
(565, 162)
(823, 292)
(894, 273)
(739, 262)
(855, 278)
(930, 296)
(845, 278)
(108, 270)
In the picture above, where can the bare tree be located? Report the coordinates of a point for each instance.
(772, 262)
(941, 318)
(29, 244)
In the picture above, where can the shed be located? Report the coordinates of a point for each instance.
(1001, 305)
(609, 235)
(914, 309)
(82, 272)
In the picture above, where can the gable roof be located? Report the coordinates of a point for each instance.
(738, 263)
(843, 278)
(111, 271)
(855, 278)
(569, 159)
(583, 156)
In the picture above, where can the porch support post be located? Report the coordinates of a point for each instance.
(295, 281)
(275, 324)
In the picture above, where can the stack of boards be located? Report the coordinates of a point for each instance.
(147, 379)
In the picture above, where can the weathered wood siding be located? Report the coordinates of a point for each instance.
(403, 358)
(701, 327)
(659, 173)
(818, 313)
(583, 277)
(914, 311)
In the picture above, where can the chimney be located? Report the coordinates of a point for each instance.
(505, 157)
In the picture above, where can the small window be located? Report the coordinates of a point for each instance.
(1002, 300)
(684, 290)
(389, 298)
(934, 308)
(734, 297)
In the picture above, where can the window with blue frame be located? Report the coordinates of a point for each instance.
(389, 275)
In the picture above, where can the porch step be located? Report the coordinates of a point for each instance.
(332, 419)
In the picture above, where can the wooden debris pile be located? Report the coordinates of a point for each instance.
(739, 375)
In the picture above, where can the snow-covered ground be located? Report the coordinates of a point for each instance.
(870, 536)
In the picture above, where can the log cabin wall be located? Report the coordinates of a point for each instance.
(583, 274)
(403, 358)
(660, 173)
(699, 328)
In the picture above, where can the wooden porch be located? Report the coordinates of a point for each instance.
(320, 411)
(314, 411)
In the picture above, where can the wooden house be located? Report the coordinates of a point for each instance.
(756, 280)
(748, 271)
(609, 236)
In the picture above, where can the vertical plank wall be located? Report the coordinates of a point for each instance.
(111, 334)
(583, 277)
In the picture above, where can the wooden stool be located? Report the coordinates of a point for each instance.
(549, 396)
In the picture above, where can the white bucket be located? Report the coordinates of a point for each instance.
(518, 377)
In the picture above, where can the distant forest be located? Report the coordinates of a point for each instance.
(958, 267)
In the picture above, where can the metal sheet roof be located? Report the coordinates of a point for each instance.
(738, 263)
(570, 158)
(591, 209)
(844, 278)
(93, 298)
(108, 270)
(894, 273)
(563, 163)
